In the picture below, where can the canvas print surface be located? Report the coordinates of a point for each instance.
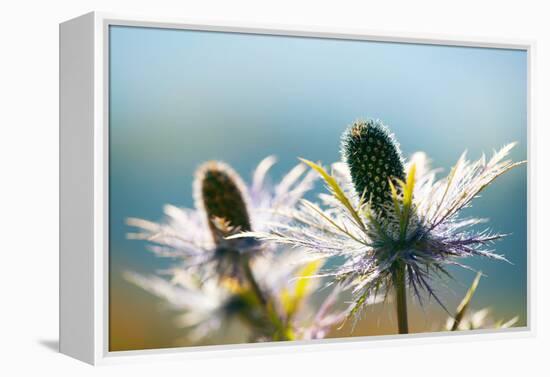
(271, 188)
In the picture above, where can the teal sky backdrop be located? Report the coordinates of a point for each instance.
(178, 98)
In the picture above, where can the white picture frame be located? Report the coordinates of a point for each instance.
(84, 189)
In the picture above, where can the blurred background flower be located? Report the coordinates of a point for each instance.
(225, 311)
(224, 205)
(241, 289)
(468, 319)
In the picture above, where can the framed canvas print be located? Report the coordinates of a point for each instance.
(235, 187)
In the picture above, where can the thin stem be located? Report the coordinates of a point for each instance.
(253, 283)
(267, 307)
(401, 298)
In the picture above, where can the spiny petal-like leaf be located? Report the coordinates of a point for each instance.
(463, 306)
(336, 191)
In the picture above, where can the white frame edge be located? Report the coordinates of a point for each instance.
(85, 337)
(76, 190)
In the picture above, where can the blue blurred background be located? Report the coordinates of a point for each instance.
(178, 98)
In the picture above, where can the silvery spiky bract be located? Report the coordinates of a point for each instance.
(480, 319)
(416, 224)
(208, 306)
(224, 205)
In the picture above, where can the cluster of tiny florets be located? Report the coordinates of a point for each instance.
(222, 197)
(373, 158)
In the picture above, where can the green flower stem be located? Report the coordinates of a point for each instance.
(401, 298)
(253, 283)
(282, 330)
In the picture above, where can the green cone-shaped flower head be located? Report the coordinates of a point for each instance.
(221, 193)
(373, 157)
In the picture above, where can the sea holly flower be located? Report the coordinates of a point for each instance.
(229, 311)
(204, 306)
(224, 205)
(396, 224)
(478, 320)
(221, 283)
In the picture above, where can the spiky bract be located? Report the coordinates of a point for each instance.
(226, 310)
